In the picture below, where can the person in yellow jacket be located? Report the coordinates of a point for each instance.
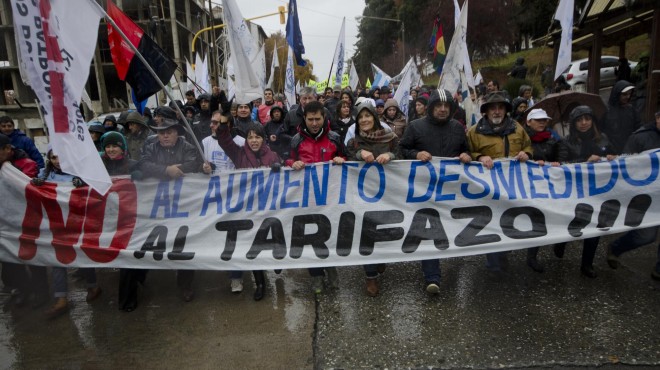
(496, 136)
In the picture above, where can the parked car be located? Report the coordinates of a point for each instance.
(576, 73)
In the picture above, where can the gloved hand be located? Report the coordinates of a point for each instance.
(136, 175)
(78, 182)
(275, 167)
(37, 181)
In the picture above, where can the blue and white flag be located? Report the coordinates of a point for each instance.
(290, 83)
(402, 95)
(339, 53)
(293, 34)
(564, 15)
(380, 78)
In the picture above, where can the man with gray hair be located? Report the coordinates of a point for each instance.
(296, 116)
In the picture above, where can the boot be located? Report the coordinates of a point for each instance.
(260, 280)
(372, 287)
(559, 250)
(532, 261)
(588, 271)
(60, 307)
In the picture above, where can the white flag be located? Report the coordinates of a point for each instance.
(248, 87)
(339, 54)
(289, 83)
(259, 66)
(353, 78)
(450, 79)
(60, 44)
(273, 64)
(231, 87)
(190, 72)
(380, 78)
(202, 74)
(478, 78)
(564, 15)
(466, 55)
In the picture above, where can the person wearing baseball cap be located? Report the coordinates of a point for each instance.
(545, 146)
(621, 119)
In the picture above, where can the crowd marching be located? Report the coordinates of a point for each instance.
(338, 125)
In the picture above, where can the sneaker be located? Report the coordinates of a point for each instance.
(612, 260)
(333, 277)
(236, 285)
(432, 287)
(317, 284)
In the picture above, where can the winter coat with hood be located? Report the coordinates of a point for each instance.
(202, 125)
(645, 138)
(272, 127)
(341, 125)
(263, 111)
(135, 142)
(308, 148)
(508, 142)
(515, 103)
(579, 146)
(440, 139)
(20, 141)
(621, 120)
(545, 145)
(398, 123)
(377, 141)
(244, 157)
(156, 158)
(519, 69)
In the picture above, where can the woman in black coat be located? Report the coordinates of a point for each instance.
(545, 145)
(585, 143)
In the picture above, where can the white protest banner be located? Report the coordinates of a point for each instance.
(57, 45)
(325, 214)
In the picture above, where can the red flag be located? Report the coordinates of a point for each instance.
(129, 67)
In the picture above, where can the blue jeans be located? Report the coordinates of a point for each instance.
(634, 239)
(61, 280)
(431, 270)
(235, 274)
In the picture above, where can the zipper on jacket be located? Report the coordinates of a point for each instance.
(322, 154)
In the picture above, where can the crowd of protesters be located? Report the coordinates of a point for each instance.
(336, 126)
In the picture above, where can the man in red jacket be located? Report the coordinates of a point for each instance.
(314, 143)
(14, 275)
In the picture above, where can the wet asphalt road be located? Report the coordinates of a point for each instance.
(519, 319)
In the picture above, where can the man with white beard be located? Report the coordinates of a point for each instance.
(495, 136)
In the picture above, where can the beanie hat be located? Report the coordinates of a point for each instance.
(113, 137)
(4, 140)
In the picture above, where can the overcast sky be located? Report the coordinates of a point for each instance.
(320, 22)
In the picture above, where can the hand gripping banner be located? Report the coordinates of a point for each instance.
(325, 215)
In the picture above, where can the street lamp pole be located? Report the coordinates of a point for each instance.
(403, 34)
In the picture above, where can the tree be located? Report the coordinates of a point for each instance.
(376, 38)
(302, 74)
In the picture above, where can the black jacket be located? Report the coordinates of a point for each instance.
(547, 150)
(645, 138)
(202, 125)
(570, 149)
(621, 120)
(156, 158)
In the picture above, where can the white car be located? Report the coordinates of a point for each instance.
(576, 73)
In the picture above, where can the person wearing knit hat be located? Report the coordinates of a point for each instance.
(114, 139)
(420, 108)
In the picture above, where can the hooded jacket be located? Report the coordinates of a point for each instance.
(519, 69)
(440, 139)
(244, 157)
(321, 147)
(398, 123)
(621, 120)
(513, 138)
(156, 158)
(377, 141)
(272, 127)
(645, 138)
(20, 141)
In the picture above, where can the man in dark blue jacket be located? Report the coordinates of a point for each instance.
(20, 141)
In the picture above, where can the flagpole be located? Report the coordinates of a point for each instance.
(153, 74)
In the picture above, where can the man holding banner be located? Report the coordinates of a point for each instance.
(436, 135)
